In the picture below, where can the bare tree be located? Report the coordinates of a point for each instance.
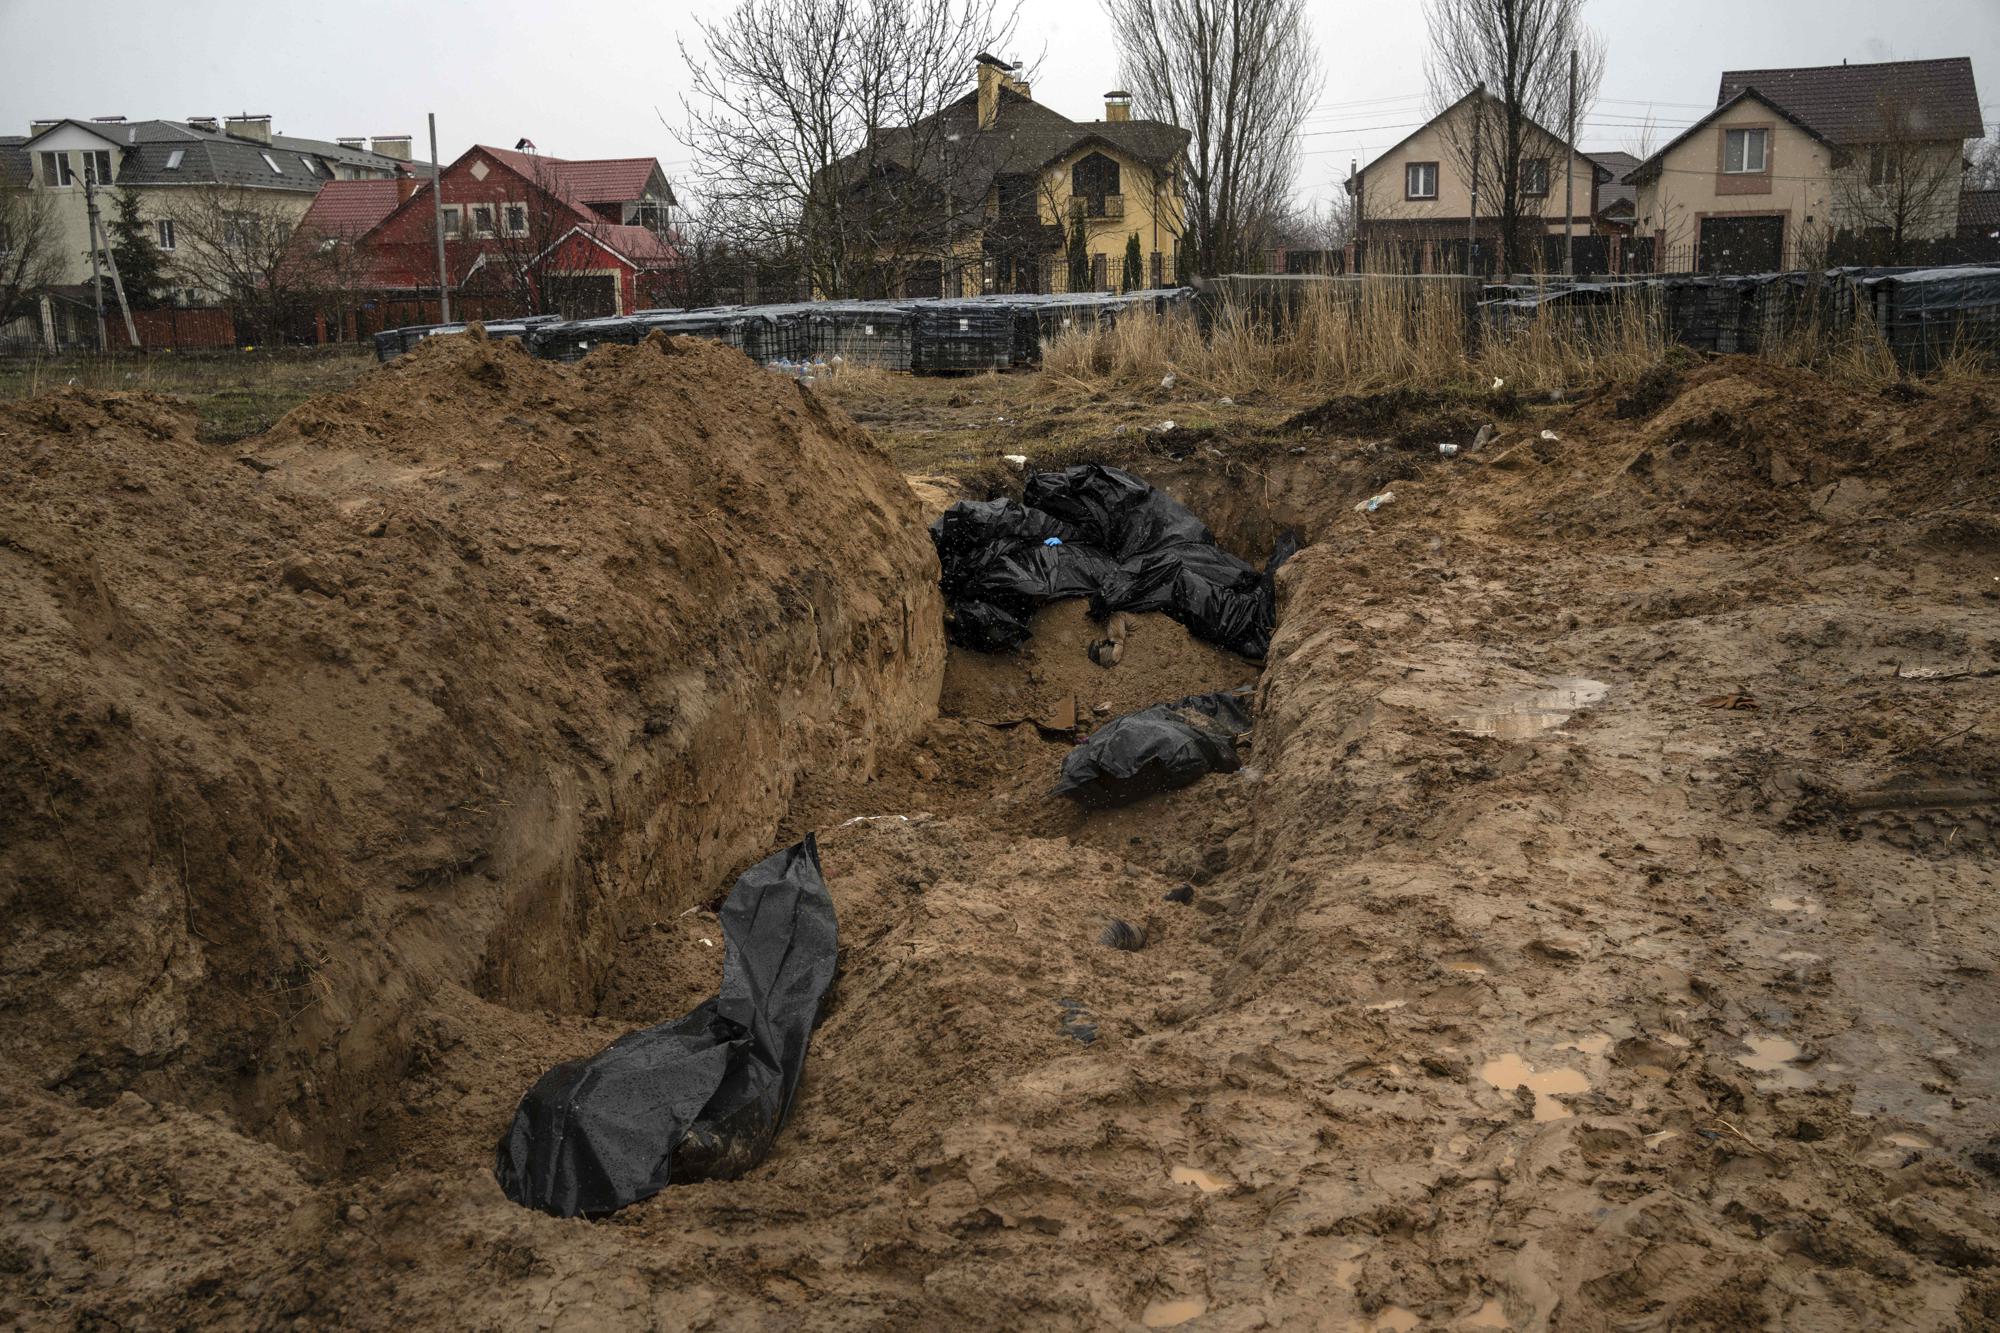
(821, 122)
(1901, 190)
(31, 256)
(1984, 171)
(1240, 77)
(237, 245)
(1519, 50)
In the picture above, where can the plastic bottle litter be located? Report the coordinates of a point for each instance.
(1374, 502)
(1448, 449)
(1052, 541)
(1484, 438)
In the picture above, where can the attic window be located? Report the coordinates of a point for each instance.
(174, 159)
(272, 163)
(1743, 151)
(307, 163)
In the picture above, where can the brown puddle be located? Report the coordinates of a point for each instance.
(1510, 1071)
(1774, 1056)
(1532, 714)
(1188, 1175)
(1166, 1314)
(1489, 1315)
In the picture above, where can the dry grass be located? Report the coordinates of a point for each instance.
(1390, 331)
(236, 394)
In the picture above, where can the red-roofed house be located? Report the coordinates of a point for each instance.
(523, 234)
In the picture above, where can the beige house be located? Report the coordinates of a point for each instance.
(1793, 160)
(179, 171)
(1419, 192)
(1020, 188)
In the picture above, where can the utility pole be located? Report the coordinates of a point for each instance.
(437, 218)
(1472, 207)
(1569, 175)
(111, 258)
(96, 273)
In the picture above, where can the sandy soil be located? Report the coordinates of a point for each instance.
(1599, 936)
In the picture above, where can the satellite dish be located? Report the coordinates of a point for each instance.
(524, 145)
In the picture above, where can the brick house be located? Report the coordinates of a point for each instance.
(524, 233)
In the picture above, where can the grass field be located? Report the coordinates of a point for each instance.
(236, 393)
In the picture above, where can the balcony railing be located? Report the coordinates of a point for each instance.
(1097, 206)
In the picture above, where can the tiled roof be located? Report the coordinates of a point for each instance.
(583, 182)
(637, 244)
(1615, 192)
(1979, 209)
(215, 157)
(1024, 137)
(16, 167)
(609, 180)
(349, 208)
(1846, 102)
(1653, 165)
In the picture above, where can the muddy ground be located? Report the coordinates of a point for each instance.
(1599, 936)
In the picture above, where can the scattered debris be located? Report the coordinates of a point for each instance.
(1157, 749)
(1550, 436)
(1374, 502)
(1123, 935)
(1182, 894)
(1448, 449)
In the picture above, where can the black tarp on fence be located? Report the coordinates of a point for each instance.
(970, 334)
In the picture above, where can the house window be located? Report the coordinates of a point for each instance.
(1534, 175)
(1094, 179)
(451, 214)
(1420, 180)
(1743, 151)
(174, 159)
(272, 163)
(239, 230)
(1884, 166)
(517, 219)
(56, 171)
(651, 214)
(97, 167)
(165, 228)
(482, 219)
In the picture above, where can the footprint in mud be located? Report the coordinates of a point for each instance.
(1773, 1056)
(1471, 964)
(1173, 1311)
(1533, 713)
(1510, 1071)
(1200, 1179)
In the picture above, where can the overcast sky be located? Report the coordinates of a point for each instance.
(592, 81)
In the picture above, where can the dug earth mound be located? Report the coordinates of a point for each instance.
(449, 681)
(1595, 936)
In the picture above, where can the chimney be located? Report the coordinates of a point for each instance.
(107, 120)
(37, 126)
(995, 74)
(243, 125)
(359, 143)
(1118, 105)
(392, 145)
(207, 123)
(405, 187)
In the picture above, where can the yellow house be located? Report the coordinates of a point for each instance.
(1030, 200)
(1791, 159)
(1419, 192)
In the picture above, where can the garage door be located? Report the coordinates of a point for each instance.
(1742, 245)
